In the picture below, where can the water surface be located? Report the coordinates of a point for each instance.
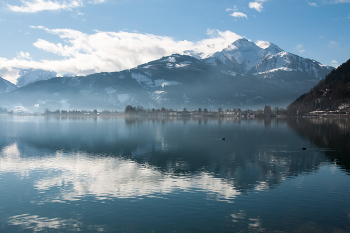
(174, 175)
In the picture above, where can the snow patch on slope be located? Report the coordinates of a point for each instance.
(163, 83)
(169, 59)
(142, 79)
(181, 65)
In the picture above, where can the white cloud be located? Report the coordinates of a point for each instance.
(334, 63)
(263, 44)
(312, 4)
(236, 14)
(49, 5)
(239, 15)
(232, 9)
(110, 51)
(257, 5)
(23, 55)
(333, 44)
(299, 48)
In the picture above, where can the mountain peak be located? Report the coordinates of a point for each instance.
(273, 48)
(243, 43)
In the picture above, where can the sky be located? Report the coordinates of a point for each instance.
(88, 36)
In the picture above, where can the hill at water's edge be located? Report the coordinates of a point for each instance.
(331, 93)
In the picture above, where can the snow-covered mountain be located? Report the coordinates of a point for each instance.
(243, 75)
(246, 57)
(242, 55)
(28, 76)
(6, 86)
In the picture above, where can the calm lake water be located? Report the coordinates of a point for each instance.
(174, 175)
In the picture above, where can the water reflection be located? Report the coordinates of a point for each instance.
(104, 177)
(331, 134)
(251, 157)
(137, 175)
(37, 223)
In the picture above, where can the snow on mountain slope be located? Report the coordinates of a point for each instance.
(290, 62)
(246, 57)
(170, 62)
(28, 76)
(243, 54)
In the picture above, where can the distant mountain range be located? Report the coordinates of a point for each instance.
(243, 75)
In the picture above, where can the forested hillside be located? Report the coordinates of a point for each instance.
(331, 93)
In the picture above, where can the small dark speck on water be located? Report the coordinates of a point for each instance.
(304, 148)
(223, 138)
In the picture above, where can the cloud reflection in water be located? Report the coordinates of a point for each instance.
(78, 175)
(37, 223)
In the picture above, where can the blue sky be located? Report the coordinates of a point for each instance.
(87, 36)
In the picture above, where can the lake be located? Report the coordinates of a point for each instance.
(117, 174)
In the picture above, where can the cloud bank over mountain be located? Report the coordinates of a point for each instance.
(81, 53)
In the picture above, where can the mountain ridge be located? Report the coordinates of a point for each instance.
(227, 79)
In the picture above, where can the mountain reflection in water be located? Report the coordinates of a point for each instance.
(87, 160)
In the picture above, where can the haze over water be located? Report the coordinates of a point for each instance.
(174, 175)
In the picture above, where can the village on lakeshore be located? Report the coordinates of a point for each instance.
(276, 112)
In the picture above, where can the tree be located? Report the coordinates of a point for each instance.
(199, 110)
(267, 110)
(205, 110)
(185, 109)
(129, 109)
(219, 109)
(163, 109)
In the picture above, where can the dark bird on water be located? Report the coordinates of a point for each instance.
(223, 138)
(304, 148)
